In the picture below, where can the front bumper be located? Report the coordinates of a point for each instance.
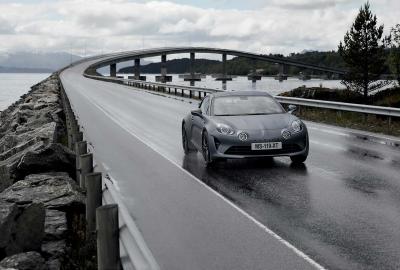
(230, 147)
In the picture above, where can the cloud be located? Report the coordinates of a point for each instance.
(97, 26)
(307, 4)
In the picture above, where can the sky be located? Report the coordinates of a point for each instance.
(88, 27)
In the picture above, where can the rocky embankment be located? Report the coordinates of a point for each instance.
(39, 198)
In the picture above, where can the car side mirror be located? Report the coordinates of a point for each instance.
(197, 113)
(292, 108)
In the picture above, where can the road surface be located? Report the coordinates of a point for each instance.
(340, 210)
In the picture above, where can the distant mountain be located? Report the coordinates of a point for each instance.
(35, 61)
(24, 70)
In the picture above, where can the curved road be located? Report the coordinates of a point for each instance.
(341, 210)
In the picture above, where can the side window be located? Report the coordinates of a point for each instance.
(204, 105)
(208, 109)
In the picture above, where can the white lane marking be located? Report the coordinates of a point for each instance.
(328, 145)
(262, 226)
(332, 131)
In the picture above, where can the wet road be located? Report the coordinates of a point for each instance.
(341, 208)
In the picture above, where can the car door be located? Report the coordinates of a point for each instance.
(198, 122)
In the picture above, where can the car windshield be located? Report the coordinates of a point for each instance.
(245, 105)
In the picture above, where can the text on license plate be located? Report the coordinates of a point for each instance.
(266, 146)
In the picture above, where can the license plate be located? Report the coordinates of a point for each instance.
(266, 146)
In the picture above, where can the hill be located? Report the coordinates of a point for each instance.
(35, 62)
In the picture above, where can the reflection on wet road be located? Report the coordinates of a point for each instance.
(341, 207)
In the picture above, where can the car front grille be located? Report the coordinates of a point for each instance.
(246, 150)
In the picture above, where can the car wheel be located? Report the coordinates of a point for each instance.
(186, 144)
(205, 147)
(298, 158)
(301, 158)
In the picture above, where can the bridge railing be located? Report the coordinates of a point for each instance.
(198, 93)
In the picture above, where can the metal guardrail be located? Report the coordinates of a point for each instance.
(341, 106)
(198, 92)
(135, 254)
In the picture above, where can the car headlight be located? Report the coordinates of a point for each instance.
(225, 129)
(296, 126)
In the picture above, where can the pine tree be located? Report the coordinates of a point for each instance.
(395, 52)
(363, 51)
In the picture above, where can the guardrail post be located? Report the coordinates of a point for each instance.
(76, 137)
(93, 199)
(107, 237)
(85, 167)
(175, 91)
(390, 123)
(182, 93)
(200, 95)
(80, 149)
(190, 93)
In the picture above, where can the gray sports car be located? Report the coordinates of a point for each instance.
(244, 124)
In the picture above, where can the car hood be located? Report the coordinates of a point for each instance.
(257, 122)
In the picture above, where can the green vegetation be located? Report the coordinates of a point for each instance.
(371, 123)
(363, 51)
(389, 97)
(395, 52)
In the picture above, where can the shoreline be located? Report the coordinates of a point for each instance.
(40, 201)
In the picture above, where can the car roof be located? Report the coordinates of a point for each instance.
(241, 93)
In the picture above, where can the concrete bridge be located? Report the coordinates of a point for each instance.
(135, 56)
(338, 211)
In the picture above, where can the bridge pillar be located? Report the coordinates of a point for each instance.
(163, 78)
(113, 70)
(136, 71)
(192, 77)
(282, 75)
(224, 76)
(224, 73)
(253, 76)
(192, 59)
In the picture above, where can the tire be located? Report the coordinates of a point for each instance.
(186, 144)
(205, 150)
(299, 158)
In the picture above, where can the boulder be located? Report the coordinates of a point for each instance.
(49, 158)
(55, 190)
(8, 214)
(25, 261)
(54, 249)
(21, 226)
(27, 229)
(55, 226)
(35, 156)
(53, 264)
(5, 179)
